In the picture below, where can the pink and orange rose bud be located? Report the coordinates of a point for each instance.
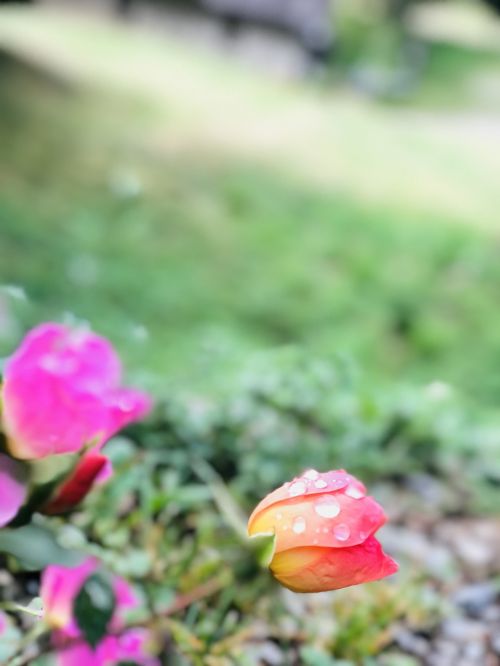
(324, 526)
(12, 488)
(62, 391)
(60, 587)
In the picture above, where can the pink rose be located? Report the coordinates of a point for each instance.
(62, 391)
(324, 526)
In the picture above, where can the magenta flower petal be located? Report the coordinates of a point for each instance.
(62, 391)
(126, 406)
(59, 588)
(129, 646)
(61, 585)
(12, 488)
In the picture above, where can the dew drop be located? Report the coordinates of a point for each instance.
(325, 530)
(327, 507)
(311, 475)
(341, 532)
(299, 525)
(321, 483)
(354, 492)
(297, 488)
(279, 515)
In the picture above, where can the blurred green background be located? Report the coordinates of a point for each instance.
(304, 269)
(194, 210)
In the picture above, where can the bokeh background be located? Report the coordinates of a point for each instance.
(286, 217)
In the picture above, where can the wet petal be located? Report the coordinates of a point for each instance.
(313, 569)
(327, 482)
(321, 516)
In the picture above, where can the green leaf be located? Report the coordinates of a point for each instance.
(93, 608)
(9, 640)
(35, 547)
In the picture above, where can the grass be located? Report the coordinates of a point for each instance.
(195, 215)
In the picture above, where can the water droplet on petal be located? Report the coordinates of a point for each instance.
(354, 492)
(341, 532)
(325, 530)
(311, 474)
(299, 525)
(297, 488)
(338, 480)
(279, 515)
(321, 483)
(327, 507)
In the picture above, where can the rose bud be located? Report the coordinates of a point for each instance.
(12, 488)
(93, 468)
(323, 527)
(62, 391)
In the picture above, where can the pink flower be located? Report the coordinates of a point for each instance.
(59, 588)
(12, 488)
(62, 391)
(324, 526)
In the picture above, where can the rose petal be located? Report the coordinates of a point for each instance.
(334, 521)
(61, 585)
(12, 488)
(129, 647)
(61, 391)
(88, 358)
(126, 406)
(44, 414)
(327, 482)
(59, 588)
(312, 569)
(78, 485)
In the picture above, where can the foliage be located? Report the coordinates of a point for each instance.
(152, 251)
(173, 518)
